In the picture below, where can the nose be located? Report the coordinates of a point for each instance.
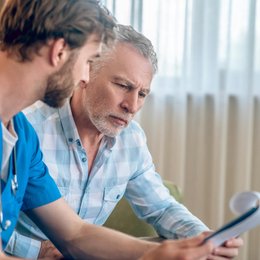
(130, 103)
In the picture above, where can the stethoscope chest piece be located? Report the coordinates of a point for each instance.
(4, 226)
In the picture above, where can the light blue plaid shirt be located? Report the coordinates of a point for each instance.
(122, 167)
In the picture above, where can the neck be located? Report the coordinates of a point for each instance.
(88, 133)
(18, 83)
(6, 124)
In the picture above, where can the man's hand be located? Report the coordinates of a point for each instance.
(228, 251)
(49, 251)
(191, 249)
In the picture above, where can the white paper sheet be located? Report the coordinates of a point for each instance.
(245, 204)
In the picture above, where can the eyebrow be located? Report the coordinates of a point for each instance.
(130, 84)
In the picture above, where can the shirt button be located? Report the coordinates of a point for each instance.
(84, 159)
(70, 139)
(118, 196)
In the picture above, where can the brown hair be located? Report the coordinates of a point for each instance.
(26, 25)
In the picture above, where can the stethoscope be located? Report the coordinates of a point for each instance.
(14, 187)
(14, 182)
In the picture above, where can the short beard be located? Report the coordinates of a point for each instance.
(103, 128)
(60, 84)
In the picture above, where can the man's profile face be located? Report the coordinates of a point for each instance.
(118, 91)
(75, 71)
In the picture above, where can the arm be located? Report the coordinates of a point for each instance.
(157, 207)
(169, 218)
(192, 249)
(77, 239)
(174, 220)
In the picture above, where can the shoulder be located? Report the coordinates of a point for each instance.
(21, 123)
(43, 118)
(133, 134)
(133, 128)
(23, 127)
(39, 112)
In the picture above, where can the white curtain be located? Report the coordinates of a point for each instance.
(202, 119)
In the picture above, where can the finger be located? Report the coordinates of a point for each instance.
(200, 252)
(225, 252)
(207, 233)
(194, 241)
(234, 242)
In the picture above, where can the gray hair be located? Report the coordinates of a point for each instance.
(127, 34)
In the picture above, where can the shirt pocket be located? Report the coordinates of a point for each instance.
(112, 195)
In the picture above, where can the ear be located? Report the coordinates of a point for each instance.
(82, 85)
(59, 52)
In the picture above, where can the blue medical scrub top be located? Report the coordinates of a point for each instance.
(35, 186)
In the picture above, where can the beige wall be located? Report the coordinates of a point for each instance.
(210, 147)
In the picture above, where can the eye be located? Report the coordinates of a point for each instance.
(142, 94)
(123, 86)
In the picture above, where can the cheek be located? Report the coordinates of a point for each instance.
(140, 105)
(102, 97)
(104, 103)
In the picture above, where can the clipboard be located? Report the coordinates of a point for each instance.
(247, 206)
